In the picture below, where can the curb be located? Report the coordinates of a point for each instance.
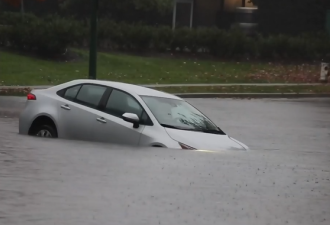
(227, 95)
(251, 95)
(25, 87)
(23, 92)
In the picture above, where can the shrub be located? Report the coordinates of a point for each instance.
(182, 39)
(139, 37)
(233, 44)
(53, 34)
(162, 38)
(11, 18)
(50, 35)
(4, 35)
(107, 31)
(304, 46)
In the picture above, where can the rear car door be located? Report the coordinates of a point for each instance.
(77, 111)
(112, 128)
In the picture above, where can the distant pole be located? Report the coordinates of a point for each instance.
(174, 15)
(93, 40)
(22, 8)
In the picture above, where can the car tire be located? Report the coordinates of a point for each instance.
(46, 131)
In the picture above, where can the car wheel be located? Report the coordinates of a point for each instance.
(46, 131)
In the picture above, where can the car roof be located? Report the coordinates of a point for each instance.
(130, 88)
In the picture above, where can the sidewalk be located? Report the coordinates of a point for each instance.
(188, 85)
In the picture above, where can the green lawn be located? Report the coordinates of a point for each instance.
(22, 70)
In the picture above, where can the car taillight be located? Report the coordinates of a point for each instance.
(31, 96)
(186, 147)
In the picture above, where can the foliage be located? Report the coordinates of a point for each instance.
(162, 38)
(39, 7)
(4, 35)
(120, 10)
(51, 35)
(152, 11)
(9, 18)
(54, 34)
(17, 3)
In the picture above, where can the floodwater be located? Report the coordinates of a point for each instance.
(284, 179)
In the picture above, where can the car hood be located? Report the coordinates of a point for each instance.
(205, 141)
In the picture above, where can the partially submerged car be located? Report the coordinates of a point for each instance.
(120, 113)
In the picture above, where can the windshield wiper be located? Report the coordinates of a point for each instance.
(213, 132)
(196, 130)
(175, 127)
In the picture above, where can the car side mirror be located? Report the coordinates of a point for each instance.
(131, 118)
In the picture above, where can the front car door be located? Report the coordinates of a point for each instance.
(114, 129)
(77, 111)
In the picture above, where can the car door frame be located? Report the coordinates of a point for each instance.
(105, 95)
(62, 92)
(105, 100)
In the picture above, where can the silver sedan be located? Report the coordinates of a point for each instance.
(120, 113)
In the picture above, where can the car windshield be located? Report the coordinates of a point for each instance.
(179, 114)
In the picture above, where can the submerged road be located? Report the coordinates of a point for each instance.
(284, 179)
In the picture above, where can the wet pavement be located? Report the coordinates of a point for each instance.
(284, 179)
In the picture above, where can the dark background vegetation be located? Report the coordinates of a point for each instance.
(288, 29)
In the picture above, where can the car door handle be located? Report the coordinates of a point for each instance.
(66, 107)
(102, 120)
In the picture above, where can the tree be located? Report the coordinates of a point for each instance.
(161, 6)
(38, 7)
(17, 3)
(120, 10)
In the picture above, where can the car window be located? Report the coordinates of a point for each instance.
(120, 102)
(71, 93)
(133, 103)
(90, 95)
(145, 119)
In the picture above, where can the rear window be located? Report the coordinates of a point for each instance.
(90, 95)
(85, 94)
(71, 93)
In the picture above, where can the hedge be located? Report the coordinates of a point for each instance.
(49, 35)
(54, 34)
